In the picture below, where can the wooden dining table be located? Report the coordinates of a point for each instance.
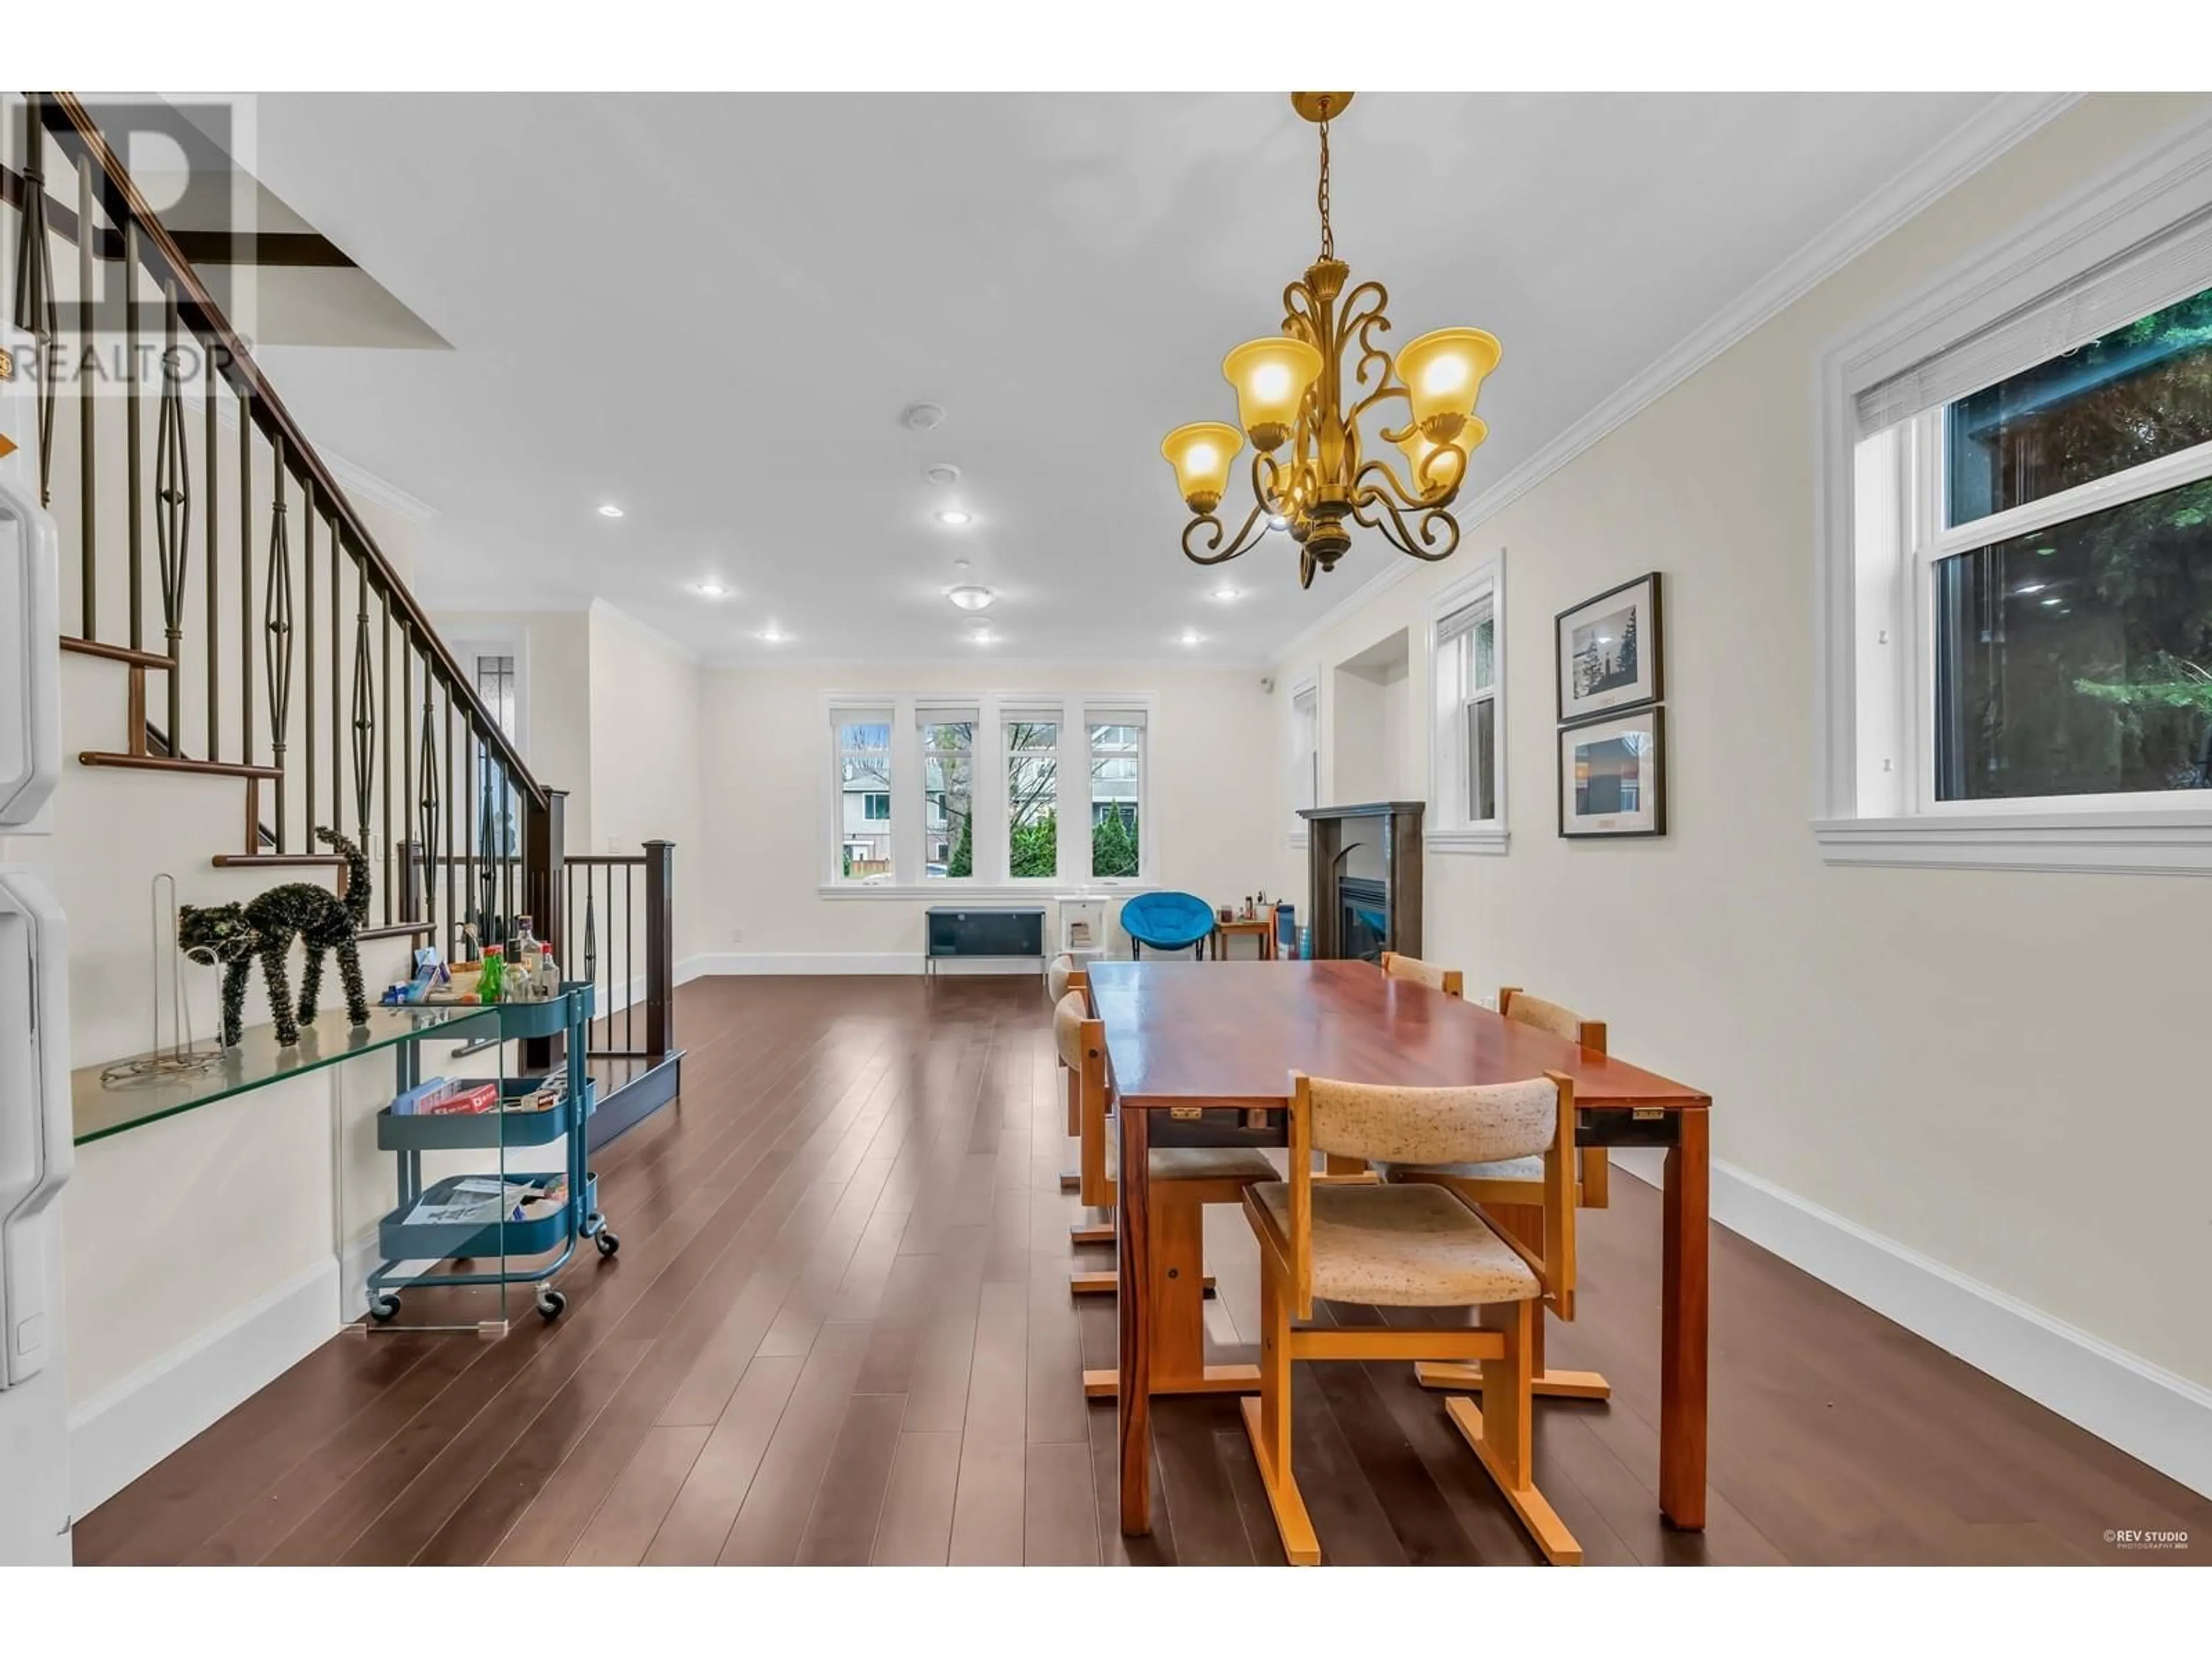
(1197, 1049)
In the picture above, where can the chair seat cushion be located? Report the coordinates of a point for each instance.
(1199, 1163)
(1403, 1247)
(1510, 1169)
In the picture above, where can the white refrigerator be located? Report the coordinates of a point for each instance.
(36, 1153)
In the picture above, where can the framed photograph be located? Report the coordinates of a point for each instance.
(1613, 775)
(1609, 652)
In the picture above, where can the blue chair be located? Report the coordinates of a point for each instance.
(1167, 921)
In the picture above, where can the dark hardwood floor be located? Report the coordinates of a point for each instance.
(839, 1331)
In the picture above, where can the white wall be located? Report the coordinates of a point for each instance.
(766, 738)
(554, 648)
(646, 756)
(1994, 1070)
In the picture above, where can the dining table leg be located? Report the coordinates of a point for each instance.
(1133, 1397)
(1684, 1302)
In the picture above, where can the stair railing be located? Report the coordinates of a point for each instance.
(289, 651)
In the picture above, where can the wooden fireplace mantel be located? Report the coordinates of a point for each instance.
(1377, 843)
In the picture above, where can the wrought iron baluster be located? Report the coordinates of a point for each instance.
(591, 930)
(629, 963)
(307, 677)
(210, 473)
(133, 440)
(277, 626)
(364, 710)
(427, 807)
(172, 511)
(37, 312)
(245, 630)
(87, 471)
(385, 794)
(408, 755)
(454, 900)
(338, 680)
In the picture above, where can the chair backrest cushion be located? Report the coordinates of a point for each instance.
(1545, 1015)
(1483, 1124)
(1067, 1016)
(1413, 968)
(1057, 975)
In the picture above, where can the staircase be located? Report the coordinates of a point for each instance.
(258, 631)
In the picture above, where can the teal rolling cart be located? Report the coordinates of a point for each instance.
(402, 1240)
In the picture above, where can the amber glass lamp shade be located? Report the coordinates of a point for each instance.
(1270, 377)
(1201, 454)
(1443, 470)
(1444, 373)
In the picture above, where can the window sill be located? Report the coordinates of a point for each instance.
(947, 892)
(2168, 843)
(1492, 842)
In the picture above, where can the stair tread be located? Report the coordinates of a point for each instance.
(171, 763)
(122, 653)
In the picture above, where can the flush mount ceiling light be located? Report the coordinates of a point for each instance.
(953, 517)
(609, 510)
(970, 596)
(1310, 473)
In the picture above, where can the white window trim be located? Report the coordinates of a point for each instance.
(1867, 693)
(988, 801)
(1484, 579)
(1309, 679)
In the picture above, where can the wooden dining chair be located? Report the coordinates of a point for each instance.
(1184, 1181)
(1512, 1194)
(1414, 1245)
(1062, 974)
(1450, 981)
(1394, 965)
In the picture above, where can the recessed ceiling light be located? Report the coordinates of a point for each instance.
(712, 589)
(774, 635)
(1225, 592)
(2025, 588)
(1191, 637)
(942, 474)
(970, 596)
(981, 637)
(609, 510)
(923, 417)
(954, 517)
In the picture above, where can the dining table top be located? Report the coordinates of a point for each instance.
(1231, 1033)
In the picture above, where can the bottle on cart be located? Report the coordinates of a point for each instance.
(548, 973)
(491, 977)
(519, 965)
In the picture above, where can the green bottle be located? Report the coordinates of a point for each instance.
(491, 978)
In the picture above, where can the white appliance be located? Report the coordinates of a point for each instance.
(36, 1152)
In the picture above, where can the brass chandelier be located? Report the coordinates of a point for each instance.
(1309, 472)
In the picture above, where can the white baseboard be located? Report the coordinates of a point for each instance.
(124, 1431)
(2146, 1411)
(853, 962)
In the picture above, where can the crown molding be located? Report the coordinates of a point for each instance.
(364, 485)
(601, 608)
(997, 666)
(2003, 122)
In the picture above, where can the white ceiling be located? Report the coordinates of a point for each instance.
(711, 310)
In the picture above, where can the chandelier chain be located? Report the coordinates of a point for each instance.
(1320, 196)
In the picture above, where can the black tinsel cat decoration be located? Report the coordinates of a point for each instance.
(230, 936)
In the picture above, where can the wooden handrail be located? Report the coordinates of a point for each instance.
(65, 116)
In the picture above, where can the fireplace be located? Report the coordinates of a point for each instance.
(1365, 919)
(1365, 894)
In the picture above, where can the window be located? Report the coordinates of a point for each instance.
(2017, 641)
(1032, 792)
(1305, 751)
(864, 775)
(948, 765)
(998, 794)
(1467, 721)
(1117, 788)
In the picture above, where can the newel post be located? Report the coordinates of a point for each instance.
(545, 883)
(660, 950)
